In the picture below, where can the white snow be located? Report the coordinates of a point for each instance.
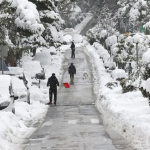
(118, 73)
(146, 56)
(19, 88)
(16, 128)
(79, 27)
(128, 114)
(103, 33)
(32, 67)
(77, 38)
(5, 82)
(147, 87)
(111, 40)
(27, 15)
(67, 38)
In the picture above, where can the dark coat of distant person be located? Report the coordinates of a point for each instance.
(72, 69)
(53, 82)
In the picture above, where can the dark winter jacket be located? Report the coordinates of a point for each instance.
(72, 69)
(53, 82)
(72, 46)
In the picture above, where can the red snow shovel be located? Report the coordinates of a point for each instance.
(66, 85)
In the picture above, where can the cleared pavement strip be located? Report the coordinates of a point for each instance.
(75, 124)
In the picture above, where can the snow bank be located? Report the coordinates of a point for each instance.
(77, 38)
(147, 85)
(103, 53)
(16, 128)
(146, 56)
(67, 38)
(118, 73)
(128, 114)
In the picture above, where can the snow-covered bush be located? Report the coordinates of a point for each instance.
(145, 88)
(147, 85)
(67, 38)
(146, 57)
(77, 38)
(111, 40)
(137, 12)
(27, 16)
(103, 34)
(103, 53)
(118, 74)
(112, 85)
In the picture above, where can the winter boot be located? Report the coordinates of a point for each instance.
(49, 103)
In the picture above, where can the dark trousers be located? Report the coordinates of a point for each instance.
(51, 93)
(71, 75)
(73, 53)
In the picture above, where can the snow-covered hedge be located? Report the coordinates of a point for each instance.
(146, 56)
(127, 114)
(118, 74)
(103, 53)
(111, 40)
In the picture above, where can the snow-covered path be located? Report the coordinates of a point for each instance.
(82, 25)
(74, 123)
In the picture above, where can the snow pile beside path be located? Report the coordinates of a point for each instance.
(118, 74)
(103, 53)
(15, 129)
(77, 38)
(146, 56)
(67, 38)
(128, 113)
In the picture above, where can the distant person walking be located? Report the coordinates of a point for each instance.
(53, 83)
(72, 50)
(72, 71)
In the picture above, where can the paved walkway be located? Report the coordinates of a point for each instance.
(75, 124)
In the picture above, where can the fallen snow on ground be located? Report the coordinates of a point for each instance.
(80, 26)
(16, 128)
(128, 113)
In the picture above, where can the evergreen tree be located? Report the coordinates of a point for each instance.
(52, 22)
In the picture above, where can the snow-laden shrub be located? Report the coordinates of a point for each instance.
(103, 53)
(145, 89)
(106, 64)
(67, 38)
(111, 40)
(103, 34)
(118, 74)
(78, 38)
(112, 85)
(147, 85)
(109, 64)
(27, 16)
(112, 65)
(135, 10)
(105, 57)
(129, 39)
(146, 57)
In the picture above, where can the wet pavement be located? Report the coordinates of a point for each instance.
(75, 124)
